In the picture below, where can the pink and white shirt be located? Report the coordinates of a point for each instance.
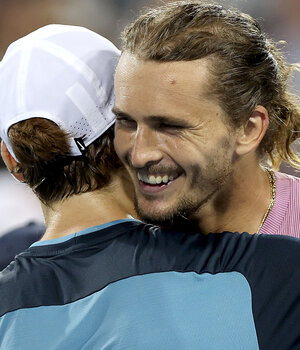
(284, 218)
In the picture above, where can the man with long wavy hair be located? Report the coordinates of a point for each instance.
(98, 279)
(202, 103)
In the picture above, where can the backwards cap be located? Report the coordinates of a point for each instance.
(62, 73)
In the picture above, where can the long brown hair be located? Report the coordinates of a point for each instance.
(248, 69)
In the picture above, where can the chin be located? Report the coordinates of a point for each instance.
(158, 219)
(155, 216)
(170, 214)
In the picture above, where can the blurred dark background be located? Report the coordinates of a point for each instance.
(279, 18)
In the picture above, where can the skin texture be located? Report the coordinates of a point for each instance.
(169, 124)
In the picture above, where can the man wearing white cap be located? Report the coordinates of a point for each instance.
(99, 280)
(56, 92)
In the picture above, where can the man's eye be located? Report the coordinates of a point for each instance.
(127, 123)
(170, 126)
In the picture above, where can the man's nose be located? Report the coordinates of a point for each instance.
(145, 148)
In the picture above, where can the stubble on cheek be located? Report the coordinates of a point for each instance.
(202, 184)
(207, 181)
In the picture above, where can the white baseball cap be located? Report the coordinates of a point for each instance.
(62, 73)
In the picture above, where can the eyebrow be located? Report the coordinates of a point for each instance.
(153, 118)
(118, 113)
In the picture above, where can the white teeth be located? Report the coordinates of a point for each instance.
(165, 179)
(158, 180)
(152, 180)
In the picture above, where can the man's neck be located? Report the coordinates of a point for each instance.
(79, 212)
(240, 206)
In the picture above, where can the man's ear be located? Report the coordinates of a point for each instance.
(10, 162)
(253, 131)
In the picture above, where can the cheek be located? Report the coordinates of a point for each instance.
(121, 143)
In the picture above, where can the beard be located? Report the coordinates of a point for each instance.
(188, 209)
(185, 209)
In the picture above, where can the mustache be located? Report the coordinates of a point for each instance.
(156, 168)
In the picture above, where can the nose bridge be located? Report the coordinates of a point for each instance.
(145, 147)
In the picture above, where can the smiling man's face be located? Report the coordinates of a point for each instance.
(172, 136)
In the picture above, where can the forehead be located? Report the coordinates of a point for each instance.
(189, 76)
(150, 87)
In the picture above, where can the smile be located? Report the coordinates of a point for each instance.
(156, 179)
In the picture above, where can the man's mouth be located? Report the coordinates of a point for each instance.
(156, 179)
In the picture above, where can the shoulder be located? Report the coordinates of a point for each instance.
(284, 217)
(288, 189)
(288, 193)
(278, 246)
(288, 180)
(277, 257)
